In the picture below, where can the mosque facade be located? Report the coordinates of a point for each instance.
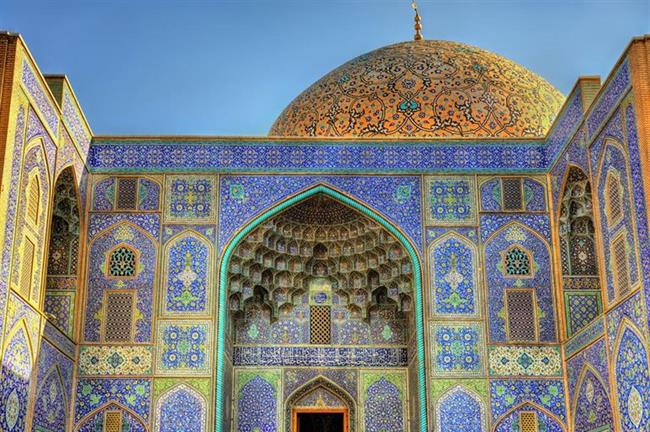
(431, 238)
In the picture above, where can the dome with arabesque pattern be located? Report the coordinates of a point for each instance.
(424, 89)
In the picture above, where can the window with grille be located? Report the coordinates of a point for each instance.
(113, 421)
(320, 325)
(577, 228)
(517, 262)
(621, 272)
(119, 316)
(33, 199)
(127, 193)
(512, 193)
(520, 308)
(27, 267)
(528, 421)
(613, 199)
(122, 263)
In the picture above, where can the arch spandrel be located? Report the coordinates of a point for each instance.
(244, 198)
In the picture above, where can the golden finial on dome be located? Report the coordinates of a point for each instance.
(418, 26)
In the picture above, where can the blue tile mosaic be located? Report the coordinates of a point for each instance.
(396, 197)
(507, 394)
(217, 155)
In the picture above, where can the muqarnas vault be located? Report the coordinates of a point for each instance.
(431, 238)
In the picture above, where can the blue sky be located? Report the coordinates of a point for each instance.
(229, 67)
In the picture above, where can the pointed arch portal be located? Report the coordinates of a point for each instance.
(364, 210)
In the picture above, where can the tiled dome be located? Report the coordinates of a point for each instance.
(424, 89)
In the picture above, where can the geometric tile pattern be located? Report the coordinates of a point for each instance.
(582, 306)
(525, 361)
(450, 201)
(60, 304)
(458, 349)
(103, 194)
(27, 276)
(190, 198)
(184, 347)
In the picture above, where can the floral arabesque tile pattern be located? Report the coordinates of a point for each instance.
(184, 347)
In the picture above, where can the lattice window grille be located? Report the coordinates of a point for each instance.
(613, 199)
(33, 199)
(127, 193)
(621, 268)
(27, 267)
(320, 328)
(122, 262)
(517, 262)
(528, 421)
(520, 309)
(119, 316)
(113, 421)
(512, 193)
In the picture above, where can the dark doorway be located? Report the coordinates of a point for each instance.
(320, 422)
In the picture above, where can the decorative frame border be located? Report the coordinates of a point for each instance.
(251, 225)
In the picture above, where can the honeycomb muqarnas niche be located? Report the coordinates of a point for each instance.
(432, 238)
